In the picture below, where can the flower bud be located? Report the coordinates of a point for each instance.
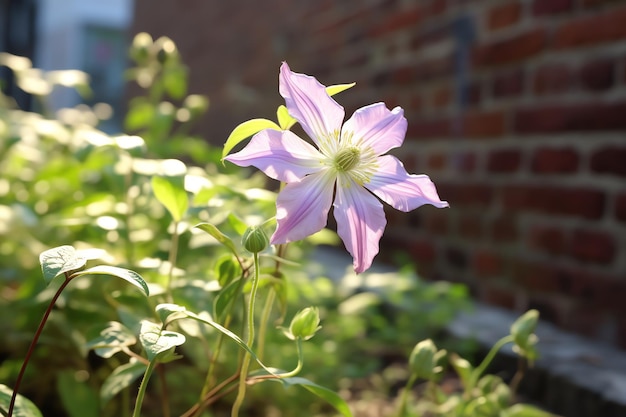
(523, 335)
(423, 360)
(305, 323)
(255, 240)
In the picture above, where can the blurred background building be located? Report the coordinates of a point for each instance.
(516, 109)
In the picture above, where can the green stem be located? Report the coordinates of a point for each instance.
(241, 393)
(31, 348)
(485, 363)
(405, 396)
(142, 388)
(172, 259)
(265, 317)
(298, 367)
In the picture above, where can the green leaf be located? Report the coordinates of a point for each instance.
(78, 398)
(170, 312)
(156, 341)
(23, 406)
(60, 260)
(121, 378)
(225, 297)
(338, 88)
(126, 274)
(524, 410)
(326, 394)
(170, 191)
(463, 369)
(239, 225)
(245, 130)
(140, 114)
(219, 236)
(284, 118)
(112, 339)
(175, 82)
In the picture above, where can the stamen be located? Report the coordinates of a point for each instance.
(346, 159)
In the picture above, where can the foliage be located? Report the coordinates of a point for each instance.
(186, 237)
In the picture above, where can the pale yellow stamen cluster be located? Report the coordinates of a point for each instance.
(351, 160)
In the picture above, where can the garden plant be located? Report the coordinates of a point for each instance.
(218, 307)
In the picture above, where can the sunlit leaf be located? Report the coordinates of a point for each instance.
(112, 339)
(140, 113)
(59, 260)
(23, 406)
(170, 312)
(245, 130)
(326, 394)
(78, 398)
(219, 236)
(121, 378)
(524, 410)
(284, 118)
(338, 88)
(157, 341)
(170, 191)
(126, 274)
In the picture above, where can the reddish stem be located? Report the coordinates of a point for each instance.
(31, 348)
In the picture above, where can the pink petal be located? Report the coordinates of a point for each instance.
(360, 223)
(302, 207)
(403, 191)
(307, 101)
(279, 154)
(377, 127)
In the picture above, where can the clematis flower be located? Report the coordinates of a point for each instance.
(347, 168)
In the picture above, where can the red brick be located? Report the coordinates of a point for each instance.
(589, 30)
(543, 7)
(434, 68)
(429, 129)
(596, 3)
(403, 75)
(483, 124)
(504, 229)
(503, 15)
(620, 207)
(535, 277)
(547, 239)
(501, 297)
(486, 263)
(470, 226)
(579, 202)
(504, 161)
(508, 84)
(465, 193)
(441, 97)
(436, 161)
(422, 251)
(463, 161)
(398, 20)
(553, 78)
(598, 75)
(456, 257)
(555, 161)
(572, 117)
(435, 221)
(474, 92)
(592, 246)
(514, 49)
(610, 160)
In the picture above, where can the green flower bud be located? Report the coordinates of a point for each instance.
(424, 358)
(523, 335)
(255, 240)
(305, 324)
(140, 49)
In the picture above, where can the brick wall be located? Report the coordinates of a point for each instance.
(516, 109)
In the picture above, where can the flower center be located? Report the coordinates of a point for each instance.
(346, 159)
